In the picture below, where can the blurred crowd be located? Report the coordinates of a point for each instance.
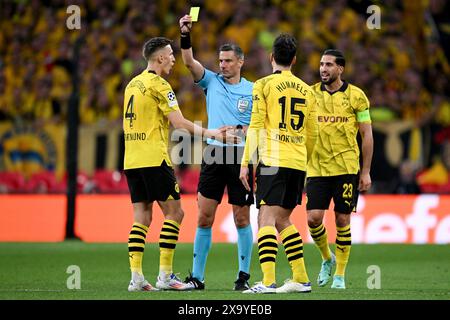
(403, 66)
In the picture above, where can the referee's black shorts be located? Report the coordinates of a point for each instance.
(220, 168)
(343, 189)
(152, 183)
(278, 186)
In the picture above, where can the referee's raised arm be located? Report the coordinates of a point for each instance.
(193, 65)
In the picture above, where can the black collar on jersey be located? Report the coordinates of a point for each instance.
(278, 71)
(342, 88)
(151, 71)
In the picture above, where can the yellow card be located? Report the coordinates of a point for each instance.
(194, 13)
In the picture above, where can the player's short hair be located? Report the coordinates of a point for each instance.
(154, 44)
(340, 60)
(284, 49)
(233, 47)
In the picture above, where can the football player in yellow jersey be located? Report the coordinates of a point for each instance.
(334, 170)
(283, 128)
(149, 106)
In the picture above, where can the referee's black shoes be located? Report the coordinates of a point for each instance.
(241, 283)
(194, 283)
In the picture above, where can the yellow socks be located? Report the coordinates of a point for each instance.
(167, 242)
(268, 248)
(293, 246)
(343, 246)
(320, 237)
(136, 246)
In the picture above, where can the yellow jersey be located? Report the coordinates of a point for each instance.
(283, 126)
(148, 100)
(338, 114)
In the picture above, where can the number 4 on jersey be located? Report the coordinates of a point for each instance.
(129, 114)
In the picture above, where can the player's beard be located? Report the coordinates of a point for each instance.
(331, 79)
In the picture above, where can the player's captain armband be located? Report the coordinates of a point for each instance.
(363, 116)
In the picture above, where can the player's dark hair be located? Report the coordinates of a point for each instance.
(340, 60)
(284, 49)
(154, 44)
(233, 47)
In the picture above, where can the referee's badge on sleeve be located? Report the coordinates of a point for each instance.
(243, 105)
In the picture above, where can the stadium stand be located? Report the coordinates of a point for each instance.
(403, 66)
(106, 181)
(44, 182)
(11, 182)
(188, 180)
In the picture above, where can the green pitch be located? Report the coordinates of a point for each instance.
(39, 271)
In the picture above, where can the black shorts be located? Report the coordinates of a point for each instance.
(278, 186)
(343, 189)
(152, 183)
(220, 168)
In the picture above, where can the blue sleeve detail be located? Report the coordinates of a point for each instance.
(208, 75)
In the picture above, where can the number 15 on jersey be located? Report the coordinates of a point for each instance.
(295, 125)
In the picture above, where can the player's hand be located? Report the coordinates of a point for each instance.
(229, 132)
(185, 24)
(364, 182)
(224, 134)
(243, 176)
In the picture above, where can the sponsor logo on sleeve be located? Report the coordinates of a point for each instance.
(172, 99)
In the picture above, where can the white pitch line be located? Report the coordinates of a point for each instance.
(40, 290)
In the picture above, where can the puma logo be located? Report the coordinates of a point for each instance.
(348, 202)
(242, 258)
(130, 255)
(341, 248)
